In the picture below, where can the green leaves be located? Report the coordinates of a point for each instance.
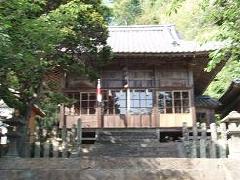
(126, 11)
(221, 82)
(36, 37)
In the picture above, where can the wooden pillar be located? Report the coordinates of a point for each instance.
(155, 116)
(192, 103)
(62, 114)
(100, 117)
(99, 109)
(128, 99)
(126, 87)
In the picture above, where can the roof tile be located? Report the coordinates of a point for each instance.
(152, 39)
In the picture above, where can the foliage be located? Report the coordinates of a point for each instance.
(201, 20)
(39, 36)
(51, 107)
(225, 14)
(126, 11)
(223, 79)
(189, 19)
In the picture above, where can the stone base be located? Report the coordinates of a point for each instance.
(119, 169)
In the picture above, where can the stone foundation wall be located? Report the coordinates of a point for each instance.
(119, 169)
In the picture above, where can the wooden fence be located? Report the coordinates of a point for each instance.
(57, 142)
(216, 141)
(200, 142)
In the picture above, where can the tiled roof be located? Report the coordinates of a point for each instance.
(152, 39)
(206, 102)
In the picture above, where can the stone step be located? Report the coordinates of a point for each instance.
(120, 150)
(133, 154)
(128, 133)
(129, 143)
(120, 139)
(137, 144)
(119, 136)
(142, 142)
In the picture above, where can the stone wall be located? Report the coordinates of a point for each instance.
(119, 168)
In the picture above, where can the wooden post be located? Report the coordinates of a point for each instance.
(46, 147)
(185, 132)
(73, 134)
(37, 149)
(79, 135)
(73, 139)
(158, 134)
(70, 143)
(55, 142)
(203, 153)
(194, 145)
(185, 135)
(64, 143)
(37, 143)
(213, 140)
(55, 148)
(223, 141)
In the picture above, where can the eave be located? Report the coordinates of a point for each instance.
(197, 61)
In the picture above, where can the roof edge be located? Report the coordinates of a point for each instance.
(234, 84)
(143, 26)
(196, 53)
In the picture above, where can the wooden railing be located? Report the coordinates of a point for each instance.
(219, 141)
(200, 142)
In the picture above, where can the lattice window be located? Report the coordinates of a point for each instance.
(83, 102)
(173, 102)
(140, 102)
